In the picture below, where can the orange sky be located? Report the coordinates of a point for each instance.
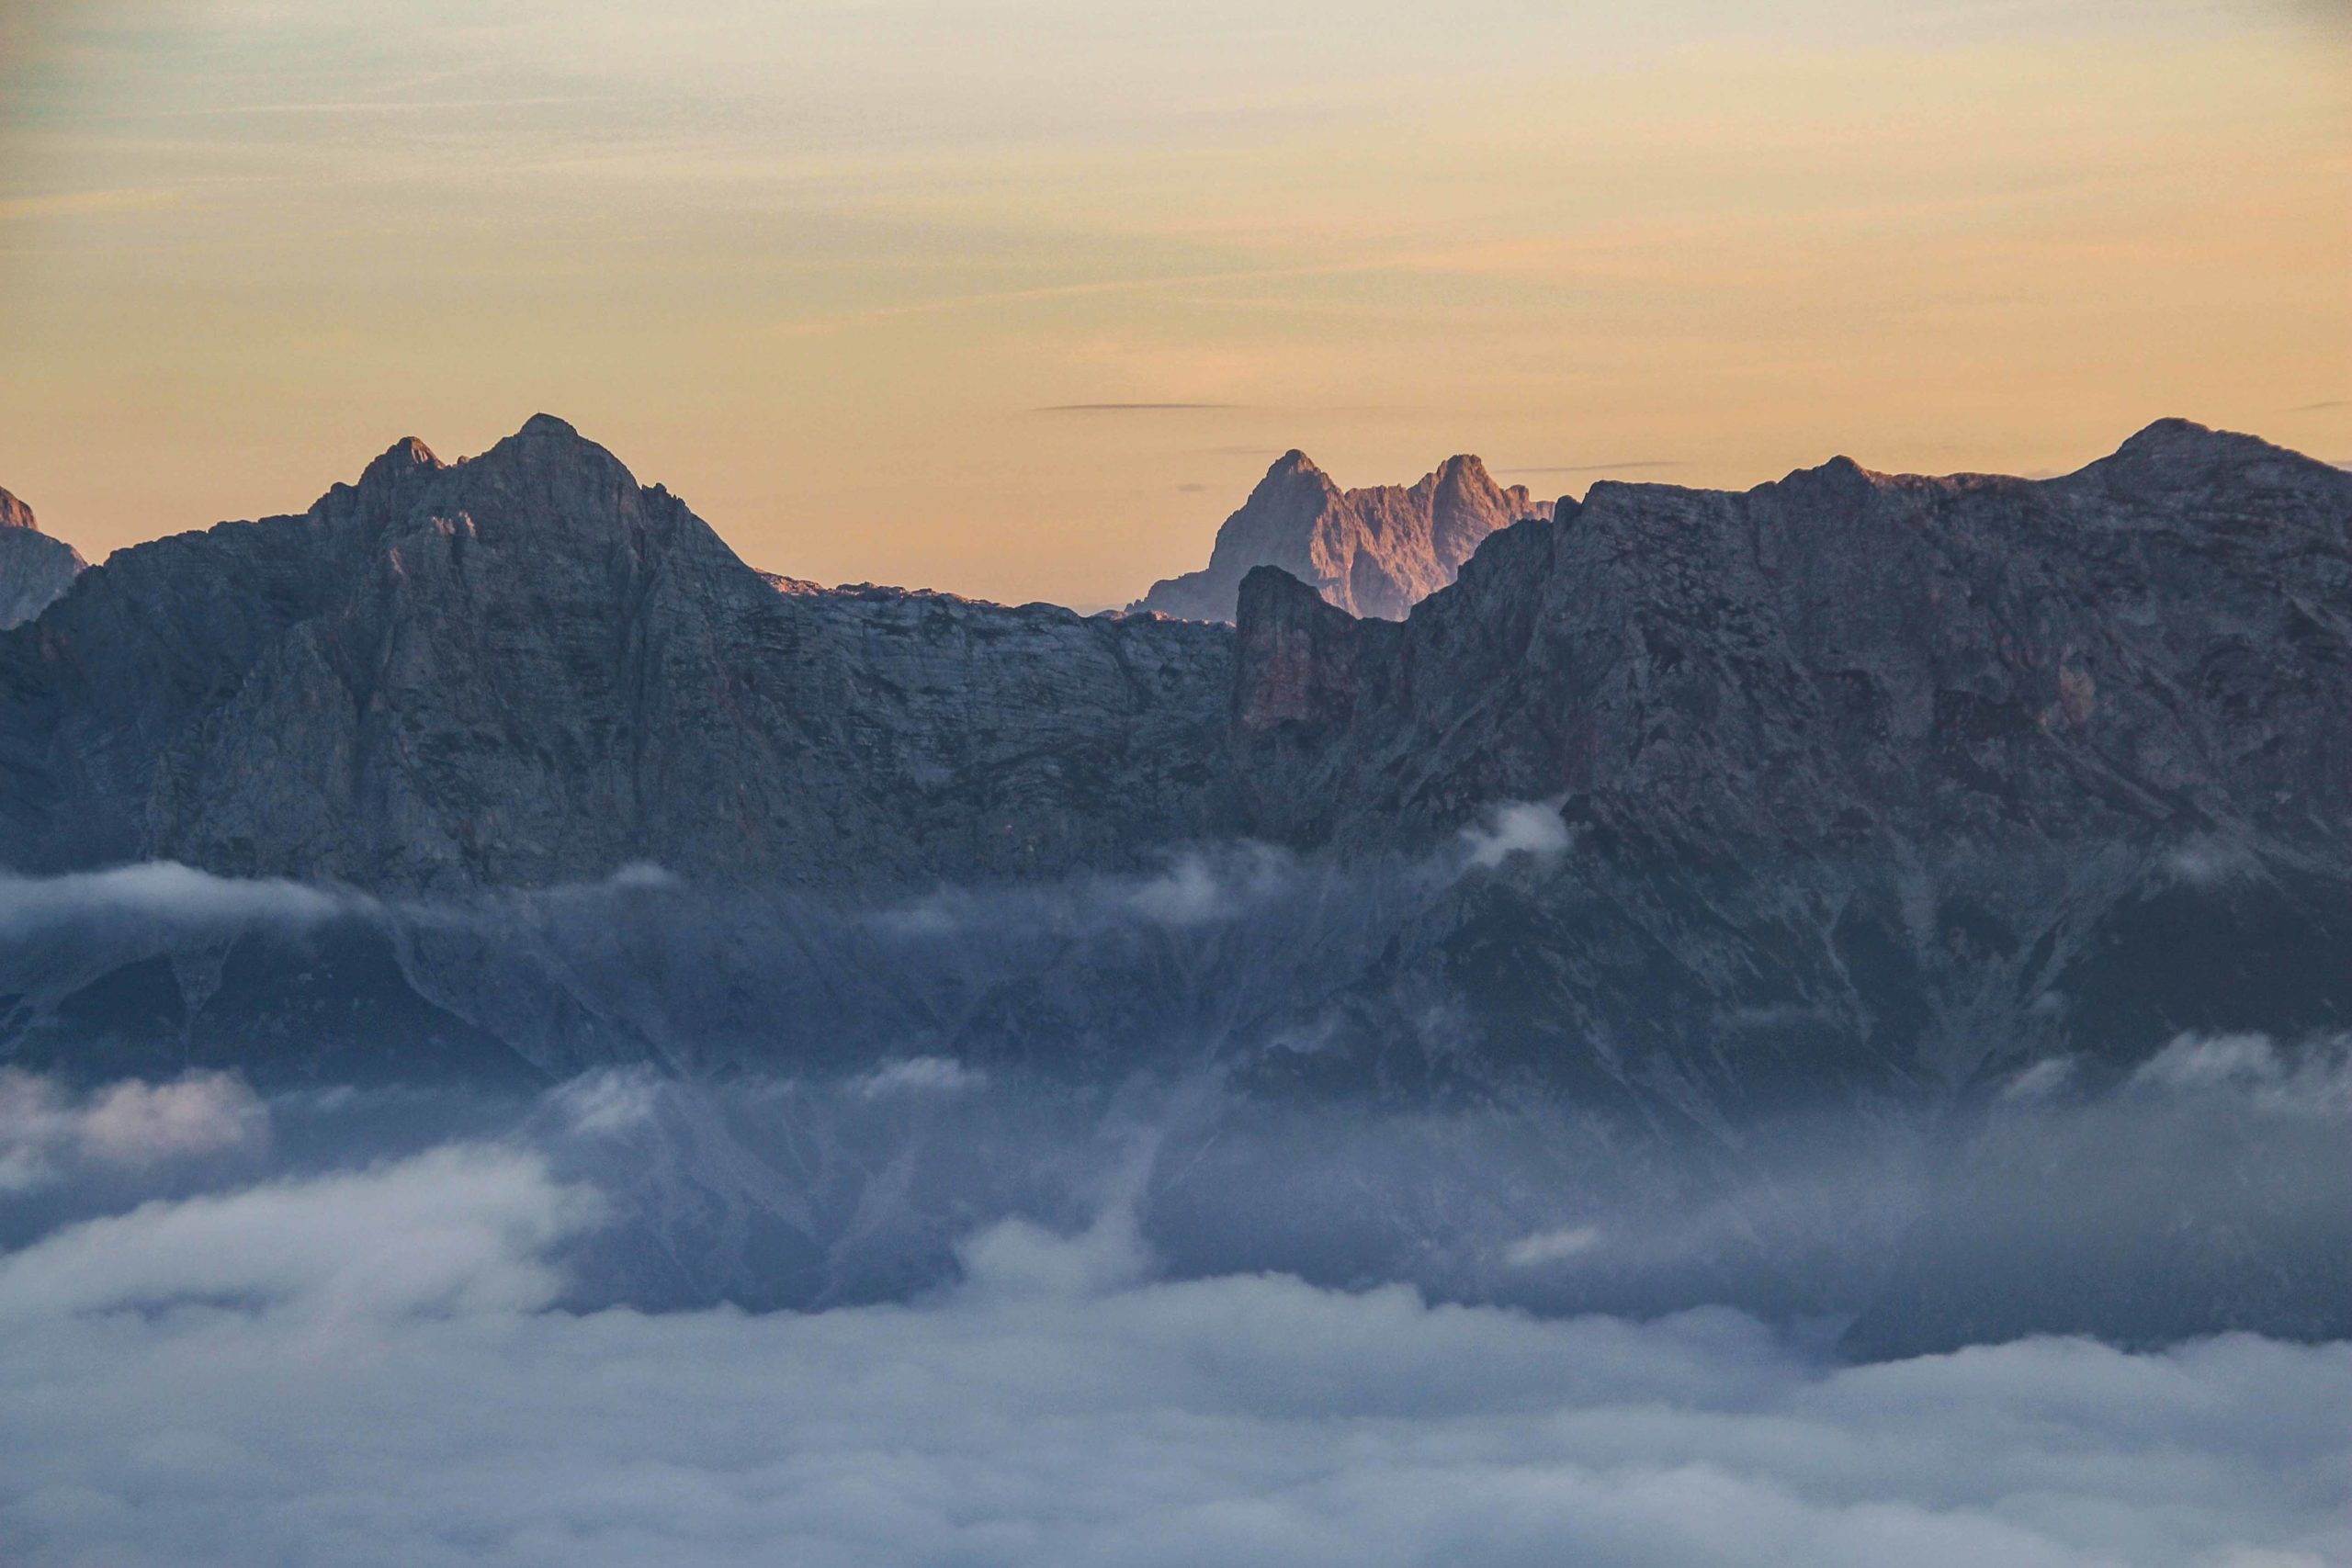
(842, 273)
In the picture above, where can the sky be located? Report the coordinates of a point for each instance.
(1019, 297)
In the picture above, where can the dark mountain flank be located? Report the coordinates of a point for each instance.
(1853, 789)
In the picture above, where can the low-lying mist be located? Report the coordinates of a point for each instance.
(2205, 1190)
(392, 1327)
(631, 1222)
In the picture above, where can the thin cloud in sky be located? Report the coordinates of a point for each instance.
(1131, 408)
(355, 107)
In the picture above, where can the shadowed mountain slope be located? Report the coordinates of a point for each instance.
(525, 668)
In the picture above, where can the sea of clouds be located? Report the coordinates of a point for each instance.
(222, 1345)
(909, 1308)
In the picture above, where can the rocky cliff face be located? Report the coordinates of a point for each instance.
(1869, 775)
(525, 669)
(1678, 813)
(1372, 552)
(34, 569)
(2157, 638)
(1874, 760)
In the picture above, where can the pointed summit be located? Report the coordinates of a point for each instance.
(1292, 462)
(1370, 552)
(547, 455)
(404, 458)
(1294, 474)
(544, 439)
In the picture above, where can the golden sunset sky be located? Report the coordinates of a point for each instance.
(854, 276)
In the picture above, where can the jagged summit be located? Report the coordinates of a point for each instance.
(402, 458)
(525, 667)
(15, 513)
(1371, 552)
(1463, 467)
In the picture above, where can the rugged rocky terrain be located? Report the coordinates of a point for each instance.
(525, 669)
(1678, 813)
(1947, 771)
(34, 568)
(1371, 552)
(1872, 779)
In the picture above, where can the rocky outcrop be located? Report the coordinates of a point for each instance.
(35, 569)
(1296, 656)
(2161, 638)
(525, 669)
(1371, 552)
(1872, 776)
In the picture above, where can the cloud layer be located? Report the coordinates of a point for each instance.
(355, 1370)
(133, 1125)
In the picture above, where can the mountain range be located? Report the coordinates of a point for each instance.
(1679, 807)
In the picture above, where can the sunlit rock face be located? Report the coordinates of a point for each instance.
(34, 569)
(1374, 552)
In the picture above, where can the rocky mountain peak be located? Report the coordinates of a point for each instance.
(1292, 462)
(15, 513)
(545, 482)
(548, 446)
(403, 460)
(1291, 479)
(1464, 469)
(2174, 436)
(547, 426)
(545, 441)
(2183, 446)
(1372, 552)
(2180, 471)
